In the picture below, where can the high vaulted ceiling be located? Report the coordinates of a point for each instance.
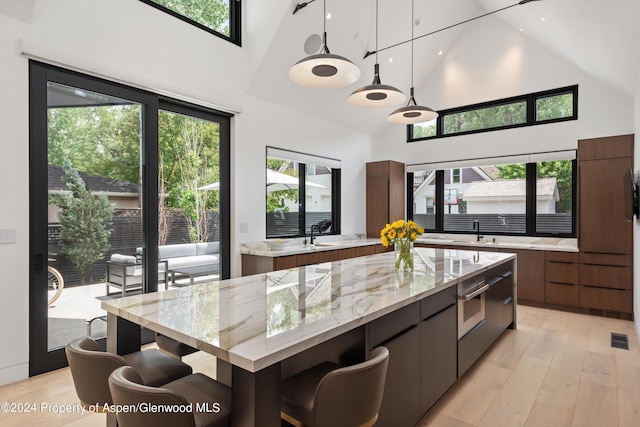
(597, 36)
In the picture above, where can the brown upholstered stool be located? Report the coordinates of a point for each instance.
(328, 395)
(209, 399)
(90, 369)
(172, 347)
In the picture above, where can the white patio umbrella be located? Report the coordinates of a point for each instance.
(276, 181)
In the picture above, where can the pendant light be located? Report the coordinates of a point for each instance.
(412, 113)
(376, 95)
(324, 70)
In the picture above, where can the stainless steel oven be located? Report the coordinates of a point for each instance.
(471, 303)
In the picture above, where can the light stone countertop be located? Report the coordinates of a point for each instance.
(256, 321)
(295, 246)
(506, 242)
(333, 242)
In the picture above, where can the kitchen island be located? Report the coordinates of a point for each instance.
(267, 327)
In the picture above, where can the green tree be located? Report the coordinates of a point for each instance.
(213, 14)
(84, 221)
(277, 199)
(189, 159)
(103, 140)
(562, 170)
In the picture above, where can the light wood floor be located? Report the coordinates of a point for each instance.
(557, 369)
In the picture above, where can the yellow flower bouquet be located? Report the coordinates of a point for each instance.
(401, 234)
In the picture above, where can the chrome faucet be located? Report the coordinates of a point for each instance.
(476, 226)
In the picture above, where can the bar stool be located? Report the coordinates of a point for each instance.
(328, 395)
(90, 369)
(207, 402)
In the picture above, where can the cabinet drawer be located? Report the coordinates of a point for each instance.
(366, 250)
(285, 262)
(380, 249)
(606, 259)
(562, 293)
(606, 276)
(563, 256)
(438, 302)
(391, 325)
(606, 299)
(314, 258)
(562, 272)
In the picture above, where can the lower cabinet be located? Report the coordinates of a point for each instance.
(439, 356)
(401, 401)
(499, 312)
(422, 343)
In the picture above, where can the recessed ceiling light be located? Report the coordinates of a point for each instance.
(542, 18)
(328, 15)
(440, 53)
(390, 59)
(521, 30)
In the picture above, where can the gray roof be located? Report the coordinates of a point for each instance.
(95, 183)
(510, 188)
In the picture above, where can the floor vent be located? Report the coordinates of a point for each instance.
(619, 341)
(605, 313)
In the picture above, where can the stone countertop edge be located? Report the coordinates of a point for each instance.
(309, 249)
(502, 245)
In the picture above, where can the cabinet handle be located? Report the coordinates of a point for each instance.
(507, 301)
(475, 293)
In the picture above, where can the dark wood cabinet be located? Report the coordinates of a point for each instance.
(605, 236)
(562, 278)
(385, 195)
(256, 264)
(530, 268)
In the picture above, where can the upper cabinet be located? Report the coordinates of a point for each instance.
(602, 163)
(385, 194)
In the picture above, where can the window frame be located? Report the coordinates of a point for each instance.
(235, 20)
(530, 203)
(336, 178)
(531, 120)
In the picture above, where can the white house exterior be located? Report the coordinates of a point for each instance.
(509, 196)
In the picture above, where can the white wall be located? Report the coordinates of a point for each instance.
(14, 199)
(263, 124)
(128, 41)
(485, 65)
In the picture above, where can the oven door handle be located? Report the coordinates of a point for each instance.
(475, 293)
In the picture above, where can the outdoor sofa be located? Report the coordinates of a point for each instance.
(125, 271)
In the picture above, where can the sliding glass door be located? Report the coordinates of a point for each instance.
(114, 173)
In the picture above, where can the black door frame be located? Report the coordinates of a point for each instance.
(40, 358)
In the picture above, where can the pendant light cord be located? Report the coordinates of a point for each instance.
(324, 27)
(412, 51)
(522, 2)
(376, 31)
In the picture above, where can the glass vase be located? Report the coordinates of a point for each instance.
(404, 255)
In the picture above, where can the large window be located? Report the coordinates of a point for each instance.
(526, 110)
(301, 191)
(220, 17)
(524, 195)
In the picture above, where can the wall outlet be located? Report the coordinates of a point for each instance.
(244, 227)
(7, 235)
